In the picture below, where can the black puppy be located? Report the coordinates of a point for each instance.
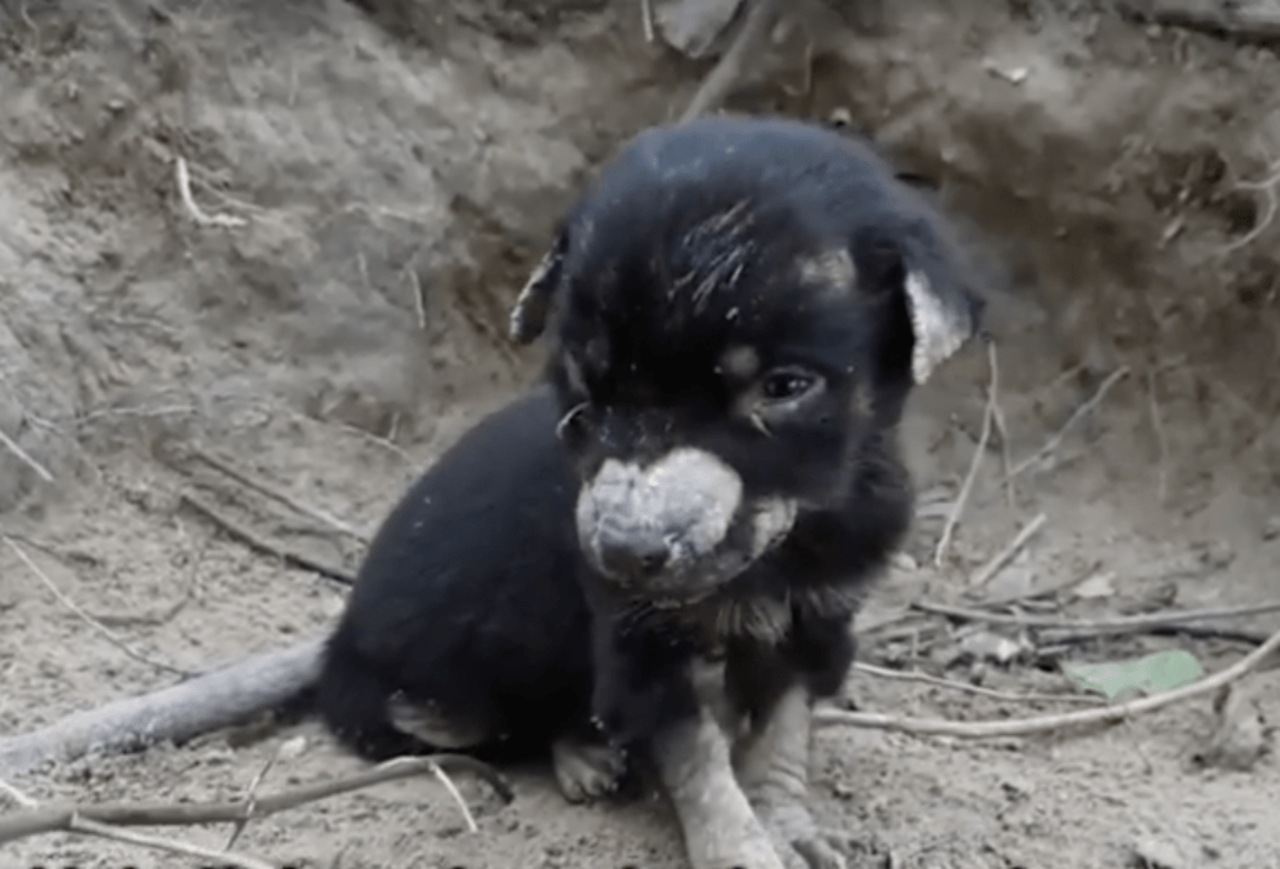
(743, 308)
(669, 545)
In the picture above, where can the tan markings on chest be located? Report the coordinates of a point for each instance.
(763, 619)
(827, 601)
(766, 620)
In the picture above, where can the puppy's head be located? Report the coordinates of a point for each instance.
(743, 306)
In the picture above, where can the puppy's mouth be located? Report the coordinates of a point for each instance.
(676, 530)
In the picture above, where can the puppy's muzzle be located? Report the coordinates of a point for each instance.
(674, 528)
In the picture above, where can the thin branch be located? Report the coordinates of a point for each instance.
(261, 544)
(988, 416)
(17, 796)
(86, 826)
(646, 20)
(53, 819)
(251, 794)
(1052, 636)
(1162, 443)
(1006, 455)
(419, 297)
(277, 494)
(1118, 624)
(1257, 20)
(443, 778)
(183, 179)
(1268, 215)
(1005, 555)
(77, 824)
(25, 457)
(715, 87)
(965, 687)
(1079, 413)
(1047, 723)
(93, 623)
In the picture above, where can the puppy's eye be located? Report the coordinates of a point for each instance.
(787, 384)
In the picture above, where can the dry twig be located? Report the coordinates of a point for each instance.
(988, 416)
(78, 824)
(25, 457)
(1051, 589)
(261, 544)
(47, 820)
(17, 796)
(1058, 636)
(1118, 624)
(965, 687)
(183, 178)
(447, 783)
(1048, 723)
(93, 623)
(1080, 412)
(86, 826)
(1162, 443)
(758, 18)
(419, 297)
(277, 494)
(1244, 19)
(1006, 456)
(646, 20)
(989, 570)
(1267, 187)
(251, 792)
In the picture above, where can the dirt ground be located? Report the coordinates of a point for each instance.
(392, 177)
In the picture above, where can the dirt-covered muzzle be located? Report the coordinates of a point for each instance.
(675, 529)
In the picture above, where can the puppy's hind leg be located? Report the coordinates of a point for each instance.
(428, 723)
(587, 767)
(773, 767)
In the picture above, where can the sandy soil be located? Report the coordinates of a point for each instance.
(395, 175)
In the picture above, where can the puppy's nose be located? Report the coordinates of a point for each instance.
(636, 557)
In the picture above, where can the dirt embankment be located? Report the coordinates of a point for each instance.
(370, 187)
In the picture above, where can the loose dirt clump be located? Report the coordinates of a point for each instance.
(367, 186)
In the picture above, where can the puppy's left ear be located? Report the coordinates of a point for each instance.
(529, 314)
(934, 278)
(944, 316)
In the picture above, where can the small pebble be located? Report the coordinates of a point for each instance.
(1271, 530)
(1152, 850)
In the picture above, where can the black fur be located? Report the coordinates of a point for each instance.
(468, 598)
(687, 245)
(476, 596)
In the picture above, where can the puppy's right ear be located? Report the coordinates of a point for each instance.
(533, 305)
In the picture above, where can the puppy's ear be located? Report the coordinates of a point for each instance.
(529, 314)
(916, 266)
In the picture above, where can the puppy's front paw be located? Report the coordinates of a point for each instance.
(795, 834)
(586, 770)
(753, 853)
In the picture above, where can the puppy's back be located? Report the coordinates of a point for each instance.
(467, 599)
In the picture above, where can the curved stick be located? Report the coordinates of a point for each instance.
(55, 818)
(1049, 723)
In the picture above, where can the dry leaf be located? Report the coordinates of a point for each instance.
(1097, 586)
